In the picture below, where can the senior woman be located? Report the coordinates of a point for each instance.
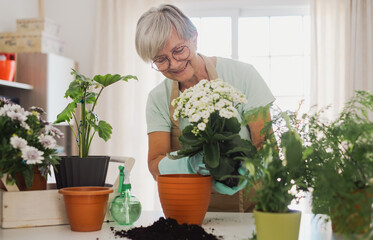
(167, 38)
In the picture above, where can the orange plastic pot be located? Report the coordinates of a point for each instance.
(86, 207)
(185, 197)
(7, 70)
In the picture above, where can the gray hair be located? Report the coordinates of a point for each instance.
(155, 27)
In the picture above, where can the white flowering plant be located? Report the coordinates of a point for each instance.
(211, 107)
(26, 141)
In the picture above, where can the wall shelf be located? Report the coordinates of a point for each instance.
(15, 85)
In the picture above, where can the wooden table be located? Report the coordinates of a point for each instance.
(229, 225)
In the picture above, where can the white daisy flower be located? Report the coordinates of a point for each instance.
(51, 130)
(47, 141)
(32, 155)
(17, 142)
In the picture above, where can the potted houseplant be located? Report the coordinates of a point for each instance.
(213, 139)
(85, 170)
(215, 124)
(27, 146)
(277, 168)
(340, 154)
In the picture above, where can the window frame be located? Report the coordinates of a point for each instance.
(249, 8)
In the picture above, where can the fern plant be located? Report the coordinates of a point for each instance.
(340, 154)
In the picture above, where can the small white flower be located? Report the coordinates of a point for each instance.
(5, 109)
(25, 125)
(195, 117)
(47, 141)
(17, 142)
(201, 126)
(49, 129)
(32, 155)
(17, 116)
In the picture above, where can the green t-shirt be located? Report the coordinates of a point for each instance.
(240, 75)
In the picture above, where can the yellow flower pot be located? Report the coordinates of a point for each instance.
(279, 226)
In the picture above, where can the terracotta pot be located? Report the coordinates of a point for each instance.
(353, 223)
(38, 183)
(185, 197)
(279, 226)
(86, 207)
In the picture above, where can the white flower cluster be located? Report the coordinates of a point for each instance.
(30, 154)
(15, 112)
(200, 101)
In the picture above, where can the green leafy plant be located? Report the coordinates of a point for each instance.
(84, 93)
(340, 154)
(279, 165)
(26, 141)
(211, 107)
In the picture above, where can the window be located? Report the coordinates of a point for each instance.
(276, 43)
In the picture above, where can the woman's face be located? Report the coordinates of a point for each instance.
(181, 71)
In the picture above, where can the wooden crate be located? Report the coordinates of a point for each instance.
(38, 24)
(32, 209)
(47, 207)
(30, 42)
(36, 208)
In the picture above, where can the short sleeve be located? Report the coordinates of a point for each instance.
(256, 90)
(158, 111)
(245, 78)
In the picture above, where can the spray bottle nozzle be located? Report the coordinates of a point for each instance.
(124, 183)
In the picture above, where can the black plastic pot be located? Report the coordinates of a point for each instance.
(74, 171)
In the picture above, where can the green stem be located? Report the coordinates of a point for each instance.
(83, 128)
(88, 138)
(98, 95)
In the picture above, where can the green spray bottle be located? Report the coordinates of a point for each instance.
(125, 209)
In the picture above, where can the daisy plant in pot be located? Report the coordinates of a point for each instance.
(278, 172)
(84, 92)
(27, 146)
(214, 130)
(340, 154)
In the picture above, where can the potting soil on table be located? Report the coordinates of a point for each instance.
(166, 229)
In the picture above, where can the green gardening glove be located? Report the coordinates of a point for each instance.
(182, 165)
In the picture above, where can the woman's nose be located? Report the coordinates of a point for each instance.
(174, 64)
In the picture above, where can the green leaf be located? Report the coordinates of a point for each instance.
(226, 167)
(188, 138)
(292, 145)
(103, 128)
(109, 79)
(224, 136)
(67, 114)
(29, 176)
(212, 154)
(188, 150)
(232, 125)
(90, 97)
(75, 90)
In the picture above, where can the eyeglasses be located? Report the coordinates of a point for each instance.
(162, 63)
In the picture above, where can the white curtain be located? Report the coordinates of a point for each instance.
(342, 51)
(123, 104)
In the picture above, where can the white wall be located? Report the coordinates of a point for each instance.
(76, 18)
